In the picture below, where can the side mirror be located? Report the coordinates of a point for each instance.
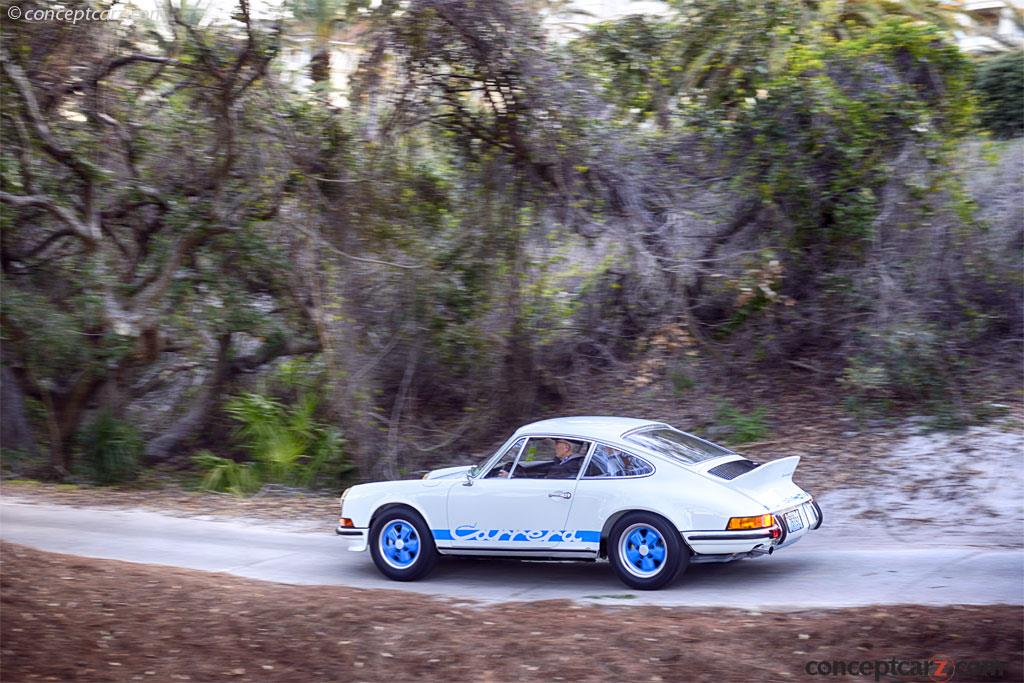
(469, 480)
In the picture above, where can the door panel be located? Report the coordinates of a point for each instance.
(509, 514)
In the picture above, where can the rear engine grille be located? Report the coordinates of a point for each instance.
(731, 470)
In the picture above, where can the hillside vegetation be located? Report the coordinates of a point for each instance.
(210, 263)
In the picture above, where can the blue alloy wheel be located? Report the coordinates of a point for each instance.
(643, 550)
(646, 550)
(399, 544)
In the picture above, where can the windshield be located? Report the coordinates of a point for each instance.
(507, 457)
(677, 445)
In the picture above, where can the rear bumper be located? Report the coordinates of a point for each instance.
(723, 546)
(727, 542)
(810, 518)
(356, 537)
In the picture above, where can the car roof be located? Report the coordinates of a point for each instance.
(587, 427)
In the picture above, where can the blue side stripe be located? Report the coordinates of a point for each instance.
(518, 535)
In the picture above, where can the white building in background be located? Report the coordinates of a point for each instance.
(989, 26)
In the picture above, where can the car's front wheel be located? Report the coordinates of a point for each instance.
(401, 545)
(645, 551)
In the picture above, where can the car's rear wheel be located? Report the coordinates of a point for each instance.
(645, 551)
(401, 545)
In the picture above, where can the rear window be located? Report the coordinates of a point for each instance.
(677, 445)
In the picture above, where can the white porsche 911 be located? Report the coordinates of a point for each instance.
(650, 498)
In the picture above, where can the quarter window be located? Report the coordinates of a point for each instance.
(612, 462)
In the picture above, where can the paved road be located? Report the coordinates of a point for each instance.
(821, 571)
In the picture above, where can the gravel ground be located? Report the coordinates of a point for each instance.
(962, 487)
(66, 618)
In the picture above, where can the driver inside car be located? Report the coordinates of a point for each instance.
(567, 463)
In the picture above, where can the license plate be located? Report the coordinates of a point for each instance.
(793, 520)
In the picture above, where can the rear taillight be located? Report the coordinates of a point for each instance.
(759, 522)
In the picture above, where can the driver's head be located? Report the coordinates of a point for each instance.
(563, 449)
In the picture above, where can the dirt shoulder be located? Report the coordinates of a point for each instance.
(69, 618)
(319, 511)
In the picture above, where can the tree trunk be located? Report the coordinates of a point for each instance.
(64, 413)
(519, 371)
(166, 446)
(58, 457)
(15, 432)
(320, 67)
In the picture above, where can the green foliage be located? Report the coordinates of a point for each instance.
(821, 108)
(719, 53)
(743, 427)
(189, 249)
(273, 437)
(630, 60)
(48, 334)
(287, 444)
(15, 461)
(681, 381)
(226, 475)
(326, 465)
(111, 449)
(816, 99)
(822, 130)
(299, 374)
(903, 362)
(1000, 85)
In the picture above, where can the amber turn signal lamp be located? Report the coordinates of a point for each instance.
(759, 522)
(345, 521)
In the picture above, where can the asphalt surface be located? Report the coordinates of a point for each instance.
(844, 567)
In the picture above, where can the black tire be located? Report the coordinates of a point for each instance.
(390, 534)
(633, 548)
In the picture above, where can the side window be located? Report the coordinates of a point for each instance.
(506, 461)
(551, 458)
(611, 462)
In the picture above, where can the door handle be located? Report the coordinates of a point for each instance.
(560, 494)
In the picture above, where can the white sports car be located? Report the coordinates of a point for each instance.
(650, 498)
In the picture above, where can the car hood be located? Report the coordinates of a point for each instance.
(449, 472)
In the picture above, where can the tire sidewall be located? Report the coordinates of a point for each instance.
(677, 554)
(423, 563)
